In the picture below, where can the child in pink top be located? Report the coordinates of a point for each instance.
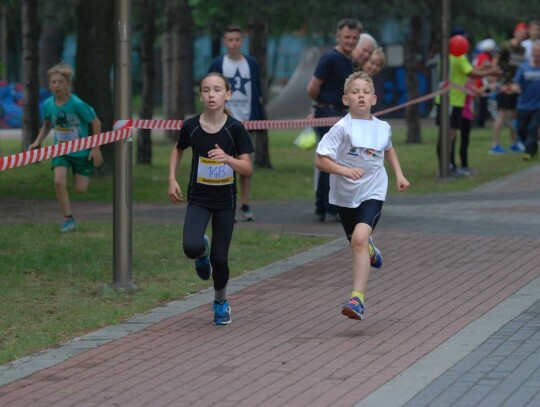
(467, 115)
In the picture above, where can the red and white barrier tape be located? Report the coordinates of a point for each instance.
(44, 153)
(249, 125)
(123, 130)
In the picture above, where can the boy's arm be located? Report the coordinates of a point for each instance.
(96, 126)
(326, 164)
(95, 153)
(43, 132)
(392, 158)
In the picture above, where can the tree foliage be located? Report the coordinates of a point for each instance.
(316, 19)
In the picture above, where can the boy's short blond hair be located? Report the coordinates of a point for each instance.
(62, 69)
(357, 75)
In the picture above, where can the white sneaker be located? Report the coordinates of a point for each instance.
(246, 215)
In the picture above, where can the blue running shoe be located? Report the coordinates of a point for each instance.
(375, 256)
(202, 264)
(222, 313)
(517, 147)
(68, 226)
(497, 150)
(354, 309)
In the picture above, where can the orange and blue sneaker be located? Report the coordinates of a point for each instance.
(222, 313)
(354, 309)
(375, 256)
(203, 267)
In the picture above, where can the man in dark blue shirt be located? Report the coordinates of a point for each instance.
(326, 89)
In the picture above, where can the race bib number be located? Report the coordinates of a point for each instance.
(211, 172)
(66, 134)
(370, 134)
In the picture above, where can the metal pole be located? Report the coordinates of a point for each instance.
(122, 198)
(444, 160)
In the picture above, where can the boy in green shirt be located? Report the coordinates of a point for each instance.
(69, 118)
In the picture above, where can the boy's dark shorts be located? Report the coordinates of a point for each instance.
(368, 212)
(507, 101)
(79, 165)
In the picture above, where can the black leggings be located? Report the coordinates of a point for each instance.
(465, 137)
(195, 223)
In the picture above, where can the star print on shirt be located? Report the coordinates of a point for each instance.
(238, 83)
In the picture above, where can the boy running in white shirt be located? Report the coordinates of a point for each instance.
(353, 153)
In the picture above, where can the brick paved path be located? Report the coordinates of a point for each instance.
(452, 319)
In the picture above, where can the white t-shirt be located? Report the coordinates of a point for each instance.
(371, 139)
(527, 44)
(240, 79)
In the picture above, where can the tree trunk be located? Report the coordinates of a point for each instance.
(178, 61)
(144, 141)
(411, 62)
(30, 36)
(185, 60)
(171, 77)
(3, 42)
(94, 60)
(52, 41)
(166, 74)
(258, 39)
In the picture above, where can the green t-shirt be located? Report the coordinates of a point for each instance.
(69, 121)
(459, 69)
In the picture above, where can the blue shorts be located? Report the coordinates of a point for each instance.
(368, 212)
(79, 165)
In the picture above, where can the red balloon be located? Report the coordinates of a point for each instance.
(459, 45)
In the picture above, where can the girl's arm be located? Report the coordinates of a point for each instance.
(392, 158)
(242, 165)
(175, 193)
(326, 164)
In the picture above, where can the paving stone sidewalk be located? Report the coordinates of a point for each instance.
(452, 319)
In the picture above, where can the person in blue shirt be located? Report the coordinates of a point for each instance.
(526, 82)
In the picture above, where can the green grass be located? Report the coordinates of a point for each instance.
(55, 287)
